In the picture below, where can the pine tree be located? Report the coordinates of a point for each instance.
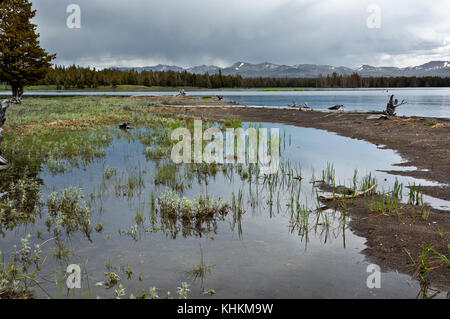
(22, 60)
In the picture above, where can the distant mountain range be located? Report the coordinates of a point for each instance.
(434, 68)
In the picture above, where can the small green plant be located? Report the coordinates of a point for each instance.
(232, 123)
(209, 292)
(111, 279)
(133, 232)
(200, 270)
(128, 272)
(398, 189)
(98, 227)
(183, 291)
(119, 292)
(139, 218)
(432, 122)
(153, 293)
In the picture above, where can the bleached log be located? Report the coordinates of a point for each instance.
(392, 105)
(355, 194)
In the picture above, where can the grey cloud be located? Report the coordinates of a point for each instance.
(204, 31)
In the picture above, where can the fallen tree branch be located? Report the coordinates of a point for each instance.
(355, 194)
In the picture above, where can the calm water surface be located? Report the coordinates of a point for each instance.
(264, 257)
(428, 102)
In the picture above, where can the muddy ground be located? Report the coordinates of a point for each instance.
(394, 243)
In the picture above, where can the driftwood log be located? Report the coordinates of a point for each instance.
(4, 105)
(303, 106)
(355, 194)
(392, 105)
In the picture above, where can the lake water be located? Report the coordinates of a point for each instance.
(427, 102)
(260, 255)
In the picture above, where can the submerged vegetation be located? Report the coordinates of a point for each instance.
(199, 215)
(66, 212)
(20, 203)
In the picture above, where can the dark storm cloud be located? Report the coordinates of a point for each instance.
(138, 32)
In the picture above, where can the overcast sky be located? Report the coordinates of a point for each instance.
(221, 32)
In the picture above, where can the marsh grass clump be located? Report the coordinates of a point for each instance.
(198, 215)
(156, 152)
(203, 171)
(56, 166)
(232, 123)
(385, 203)
(168, 174)
(20, 203)
(130, 182)
(415, 195)
(329, 174)
(67, 212)
(58, 149)
(200, 207)
(300, 218)
(367, 182)
(109, 172)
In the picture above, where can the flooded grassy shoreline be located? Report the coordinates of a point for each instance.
(422, 142)
(90, 193)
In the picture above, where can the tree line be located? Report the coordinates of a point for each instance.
(84, 77)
